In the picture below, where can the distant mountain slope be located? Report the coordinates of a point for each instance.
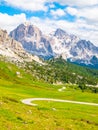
(56, 44)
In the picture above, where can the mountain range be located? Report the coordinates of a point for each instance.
(27, 43)
(57, 44)
(58, 47)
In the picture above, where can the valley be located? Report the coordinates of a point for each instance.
(48, 65)
(68, 92)
(17, 84)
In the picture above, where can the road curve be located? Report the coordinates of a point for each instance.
(30, 100)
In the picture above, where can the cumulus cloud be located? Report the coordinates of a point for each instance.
(35, 5)
(72, 11)
(90, 14)
(8, 22)
(31, 5)
(58, 12)
(51, 5)
(79, 3)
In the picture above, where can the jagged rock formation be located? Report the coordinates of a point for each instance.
(13, 50)
(32, 40)
(56, 44)
(74, 49)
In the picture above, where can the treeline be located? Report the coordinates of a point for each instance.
(58, 70)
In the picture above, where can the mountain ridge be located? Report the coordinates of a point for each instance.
(57, 44)
(32, 40)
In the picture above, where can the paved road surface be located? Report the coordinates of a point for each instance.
(30, 100)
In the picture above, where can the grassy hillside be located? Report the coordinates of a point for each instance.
(17, 84)
(60, 71)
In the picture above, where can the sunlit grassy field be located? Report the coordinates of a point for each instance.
(47, 115)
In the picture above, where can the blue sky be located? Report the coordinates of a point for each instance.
(79, 17)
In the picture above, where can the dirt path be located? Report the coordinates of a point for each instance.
(30, 100)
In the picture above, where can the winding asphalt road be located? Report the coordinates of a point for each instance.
(30, 100)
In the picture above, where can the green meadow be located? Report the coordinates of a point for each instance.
(14, 115)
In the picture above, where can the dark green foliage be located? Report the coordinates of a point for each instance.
(58, 70)
(54, 71)
(82, 87)
(94, 90)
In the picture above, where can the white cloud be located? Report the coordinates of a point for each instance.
(89, 14)
(32, 5)
(72, 11)
(79, 3)
(58, 12)
(51, 5)
(8, 22)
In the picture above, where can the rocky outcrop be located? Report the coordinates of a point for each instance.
(32, 40)
(13, 49)
(8, 42)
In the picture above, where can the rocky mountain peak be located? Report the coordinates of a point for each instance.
(25, 30)
(58, 43)
(32, 40)
(60, 33)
